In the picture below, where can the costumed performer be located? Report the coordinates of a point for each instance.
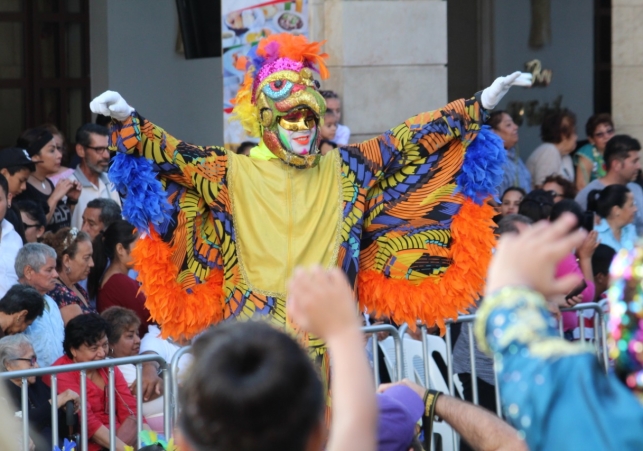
(403, 214)
(555, 393)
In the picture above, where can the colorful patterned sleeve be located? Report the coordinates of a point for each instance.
(554, 392)
(428, 232)
(189, 165)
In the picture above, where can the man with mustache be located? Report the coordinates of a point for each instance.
(91, 173)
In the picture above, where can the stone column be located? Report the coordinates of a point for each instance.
(627, 66)
(387, 59)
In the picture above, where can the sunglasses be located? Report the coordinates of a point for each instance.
(605, 133)
(32, 360)
(28, 226)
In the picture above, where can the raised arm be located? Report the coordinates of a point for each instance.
(417, 139)
(554, 392)
(198, 167)
(321, 302)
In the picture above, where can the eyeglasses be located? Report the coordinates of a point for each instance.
(28, 226)
(32, 360)
(98, 149)
(605, 133)
(554, 194)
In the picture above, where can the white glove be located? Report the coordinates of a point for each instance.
(492, 95)
(111, 104)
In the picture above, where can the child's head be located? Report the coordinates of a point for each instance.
(333, 103)
(4, 197)
(601, 261)
(329, 128)
(16, 166)
(251, 387)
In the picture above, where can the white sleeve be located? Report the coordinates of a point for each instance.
(342, 135)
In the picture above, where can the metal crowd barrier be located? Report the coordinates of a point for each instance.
(174, 365)
(170, 373)
(399, 351)
(82, 368)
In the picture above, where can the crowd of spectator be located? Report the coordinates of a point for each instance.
(68, 293)
(65, 260)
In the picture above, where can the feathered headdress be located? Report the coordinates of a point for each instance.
(277, 52)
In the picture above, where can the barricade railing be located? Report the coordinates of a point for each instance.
(108, 364)
(399, 351)
(174, 371)
(600, 328)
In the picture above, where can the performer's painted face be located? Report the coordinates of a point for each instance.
(289, 112)
(298, 132)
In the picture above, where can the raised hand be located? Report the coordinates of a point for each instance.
(546, 244)
(111, 103)
(492, 95)
(321, 302)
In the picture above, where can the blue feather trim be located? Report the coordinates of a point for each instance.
(145, 200)
(481, 171)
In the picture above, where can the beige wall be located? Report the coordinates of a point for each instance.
(627, 66)
(387, 59)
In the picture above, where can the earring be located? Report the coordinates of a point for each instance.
(67, 269)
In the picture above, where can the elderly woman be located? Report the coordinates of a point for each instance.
(515, 173)
(558, 132)
(124, 341)
(73, 263)
(16, 354)
(86, 341)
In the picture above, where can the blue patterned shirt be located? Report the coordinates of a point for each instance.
(515, 173)
(47, 333)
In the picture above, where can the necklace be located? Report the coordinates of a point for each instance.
(42, 182)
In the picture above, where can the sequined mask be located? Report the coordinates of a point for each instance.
(290, 109)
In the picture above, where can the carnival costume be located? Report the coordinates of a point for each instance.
(555, 393)
(403, 214)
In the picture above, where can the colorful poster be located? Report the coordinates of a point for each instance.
(243, 24)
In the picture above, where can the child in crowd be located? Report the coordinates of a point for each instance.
(334, 106)
(328, 131)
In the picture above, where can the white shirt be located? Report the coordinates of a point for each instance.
(105, 189)
(10, 244)
(152, 341)
(546, 160)
(342, 135)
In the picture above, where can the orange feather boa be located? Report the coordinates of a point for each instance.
(438, 297)
(181, 314)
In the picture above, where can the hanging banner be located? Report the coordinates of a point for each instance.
(244, 23)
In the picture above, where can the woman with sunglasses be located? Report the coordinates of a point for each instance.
(590, 164)
(17, 354)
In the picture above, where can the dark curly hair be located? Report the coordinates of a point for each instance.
(554, 127)
(85, 330)
(594, 121)
(569, 190)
